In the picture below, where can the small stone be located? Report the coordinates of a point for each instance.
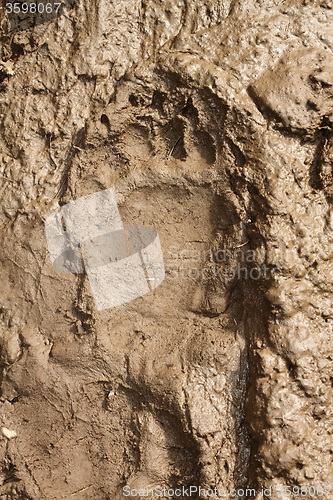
(7, 68)
(8, 433)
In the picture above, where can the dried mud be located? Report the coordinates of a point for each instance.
(212, 123)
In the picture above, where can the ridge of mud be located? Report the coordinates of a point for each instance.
(212, 122)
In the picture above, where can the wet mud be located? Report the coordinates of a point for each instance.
(212, 123)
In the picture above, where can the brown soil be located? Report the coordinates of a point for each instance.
(212, 123)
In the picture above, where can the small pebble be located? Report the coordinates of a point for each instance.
(9, 434)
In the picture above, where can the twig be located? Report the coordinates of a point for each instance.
(80, 491)
(7, 179)
(242, 245)
(174, 147)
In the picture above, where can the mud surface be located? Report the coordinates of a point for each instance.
(212, 123)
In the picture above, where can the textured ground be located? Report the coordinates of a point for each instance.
(212, 123)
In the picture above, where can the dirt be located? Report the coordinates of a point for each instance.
(212, 123)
